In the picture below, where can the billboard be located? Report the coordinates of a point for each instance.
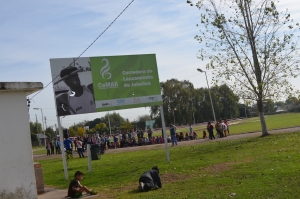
(95, 84)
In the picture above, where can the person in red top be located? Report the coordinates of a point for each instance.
(79, 148)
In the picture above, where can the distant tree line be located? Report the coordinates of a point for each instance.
(184, 104)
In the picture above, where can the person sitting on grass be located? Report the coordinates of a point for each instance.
(150, 180)
(195, 135)
(76, 189)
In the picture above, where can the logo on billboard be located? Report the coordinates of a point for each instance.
(105, 70)
(153, 99)
(121, 101)
(108, 85)
(106, 104)
(136, 100)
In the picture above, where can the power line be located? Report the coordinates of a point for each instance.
(88, 46)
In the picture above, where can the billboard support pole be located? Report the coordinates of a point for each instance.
(63, 153)
(109, 124)
(165, 132)
(89, 158)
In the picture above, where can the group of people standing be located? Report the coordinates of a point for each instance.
(128, 138)
(221, 126)
(50, 146)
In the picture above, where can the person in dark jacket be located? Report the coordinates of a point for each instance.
(150, 180)
(210, 129)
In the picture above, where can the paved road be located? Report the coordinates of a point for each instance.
(59, 194)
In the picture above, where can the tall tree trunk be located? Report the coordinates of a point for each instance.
(262, 117)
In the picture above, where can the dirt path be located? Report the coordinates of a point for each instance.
(183, 143)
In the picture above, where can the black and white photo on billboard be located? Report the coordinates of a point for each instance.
(73, 86)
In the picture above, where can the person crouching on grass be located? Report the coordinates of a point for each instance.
(150, 180)
(76, 189)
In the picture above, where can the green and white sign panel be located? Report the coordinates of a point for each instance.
(94, 84)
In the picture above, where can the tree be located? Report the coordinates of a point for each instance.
(280, 104)
(293, 104)
(144, 118)
(33, 137)
(176, 97)
(35, 128)
(91, 131)
(184, 104)
(72, 131)
(226, 101)
(243, 110)
(269, 106)
(141, 121)
(115, 119)
(251, 45)
(126, 126)
(81, 131)
(101, 127)
(50, 133)
(93, 123)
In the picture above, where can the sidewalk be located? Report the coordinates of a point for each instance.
(51, 193)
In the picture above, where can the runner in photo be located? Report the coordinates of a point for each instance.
(79, 99)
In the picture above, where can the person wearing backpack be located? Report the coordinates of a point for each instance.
(173, 134)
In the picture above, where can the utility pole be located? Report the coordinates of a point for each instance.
(193, 109)
(37, 130)
(45, 122)
(46, 127)
(42, 123)
(56, 130)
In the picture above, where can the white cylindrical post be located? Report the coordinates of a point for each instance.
(89, 158)
(63, 153)
(165, 132)
(43, 127)
(212, 106)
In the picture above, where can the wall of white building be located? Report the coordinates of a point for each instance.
(17, 179)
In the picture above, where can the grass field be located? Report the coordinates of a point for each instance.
(253, 124)
(236, 126)
(263, 167)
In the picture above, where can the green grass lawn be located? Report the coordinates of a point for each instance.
(252, 124)
(262, 167)
(39, 150)
(236, 126)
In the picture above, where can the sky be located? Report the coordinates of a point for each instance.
(34, 31)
